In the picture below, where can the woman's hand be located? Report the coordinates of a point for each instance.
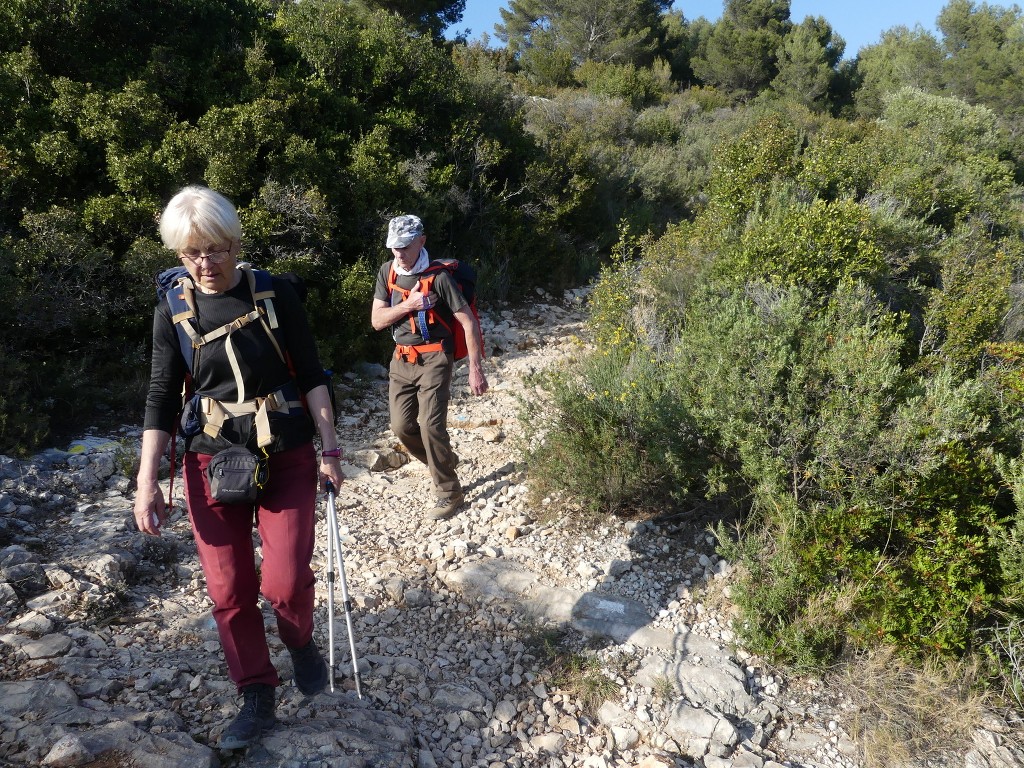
(330, 471)
(150, 509)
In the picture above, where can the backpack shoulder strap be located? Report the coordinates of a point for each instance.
(261, 286)
(175, 286)
(393, 282)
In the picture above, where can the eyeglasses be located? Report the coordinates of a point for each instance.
(218, 256)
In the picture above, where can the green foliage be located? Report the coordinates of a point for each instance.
(985, 61)
(941, 157)
(606, 31)
(1009, 539)
(432, 16)
(637, 87)
(744, 171)
(607, 429)
(819, 244)
(904, 58)
(23, 420)
(740, 54)
(807, 63)
(595, 444)
(969, 310)
(682, 39)
(838, 161)
(343, 319)
(65, 317)
(872, 493)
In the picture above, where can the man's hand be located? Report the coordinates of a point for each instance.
(477, 380)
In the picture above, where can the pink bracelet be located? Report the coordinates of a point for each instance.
(332, 454)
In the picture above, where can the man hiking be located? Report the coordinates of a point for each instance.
(421, 303)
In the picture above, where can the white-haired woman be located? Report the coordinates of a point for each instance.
(255, 386)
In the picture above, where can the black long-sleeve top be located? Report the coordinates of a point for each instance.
(262, 369)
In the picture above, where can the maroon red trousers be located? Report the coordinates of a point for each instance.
(285, 518)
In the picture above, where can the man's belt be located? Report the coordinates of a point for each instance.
(410, 353)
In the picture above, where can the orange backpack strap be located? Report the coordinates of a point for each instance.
(419, 322)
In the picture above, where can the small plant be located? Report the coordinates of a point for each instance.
(126, 457)
(1007, 645)
(664, 690)
(573, 671)
(108, 607)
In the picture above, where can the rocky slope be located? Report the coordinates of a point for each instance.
(507, 636)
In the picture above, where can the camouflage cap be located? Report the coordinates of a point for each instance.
(402, 230)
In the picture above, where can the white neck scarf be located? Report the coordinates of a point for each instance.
(421, 263)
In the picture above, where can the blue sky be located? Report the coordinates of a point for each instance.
(859, 23)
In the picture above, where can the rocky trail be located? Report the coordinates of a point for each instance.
(506, 636)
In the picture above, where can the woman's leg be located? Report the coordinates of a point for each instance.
(223, 535)
(287, 525)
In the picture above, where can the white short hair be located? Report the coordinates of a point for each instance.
(198, 213)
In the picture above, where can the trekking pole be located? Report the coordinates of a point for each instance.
(330, 583)
(334, 551)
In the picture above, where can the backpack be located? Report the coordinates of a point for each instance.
(464, 277)
(175, 286)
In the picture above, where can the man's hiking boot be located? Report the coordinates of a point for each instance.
(255, 716)
(445, 508)
(310, 669)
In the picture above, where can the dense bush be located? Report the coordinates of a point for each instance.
(872, 490)
(607, 428)
(319, 120)
(820, 336)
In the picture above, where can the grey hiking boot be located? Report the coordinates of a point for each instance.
(255, 717)
(445, 508)
(310, 669)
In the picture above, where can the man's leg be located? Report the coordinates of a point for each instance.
(403, 405)
(434, 394)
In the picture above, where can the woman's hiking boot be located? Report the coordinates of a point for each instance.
(255, 716)
(309, 668)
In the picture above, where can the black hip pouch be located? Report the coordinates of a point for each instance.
(237, 475)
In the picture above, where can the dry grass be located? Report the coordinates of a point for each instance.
(913, 714)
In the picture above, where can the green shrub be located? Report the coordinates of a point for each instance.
(872, 493)
(606, 428)
(24, 418)
(637, 86)
(970, 307)
(817, 244)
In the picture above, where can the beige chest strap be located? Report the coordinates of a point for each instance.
(266, 315)
(212, 414)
